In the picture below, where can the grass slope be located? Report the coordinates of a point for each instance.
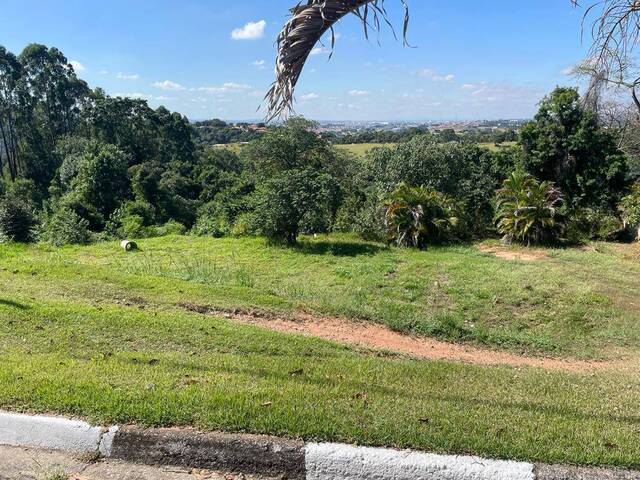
(95, 332)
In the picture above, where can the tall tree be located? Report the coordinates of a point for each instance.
(50, 109)
(564, 144)
(10, 74)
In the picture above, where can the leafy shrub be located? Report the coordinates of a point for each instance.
(17, 220)
(139, 217)
(586, 224)
(211, 222)
(527, 210)
(630, 209)
(244, 225)
(133, 226)
(418, 216)
(364, 218)
(212, 226)
(23, 189)
(170, 228)
(65, 227)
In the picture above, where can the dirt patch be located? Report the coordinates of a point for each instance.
(506, 253)
(379, 337)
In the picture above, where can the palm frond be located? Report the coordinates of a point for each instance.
(308, 23)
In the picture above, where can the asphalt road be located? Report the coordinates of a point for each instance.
(31, 464)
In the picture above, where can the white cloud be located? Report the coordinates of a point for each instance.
(103, 72)
(77, 66)
(359, 93)
(162, 98)
(468, 86)
(168, 85)
(480, 90)
(226, 87)
(251, 31)
(568, 71)
(309, 96)
(433, 75)
(319, 51)
(126, 76)
(259, 64)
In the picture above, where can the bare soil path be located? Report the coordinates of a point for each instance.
(382, 338)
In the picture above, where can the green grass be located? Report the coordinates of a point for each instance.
(98, 333)
(361, 149)
(574, 303)
(496, 147)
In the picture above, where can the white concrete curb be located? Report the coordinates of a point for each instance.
(326, 461)
(48, 432)
(262, 454)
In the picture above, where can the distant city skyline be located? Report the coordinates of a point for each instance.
(485, 60)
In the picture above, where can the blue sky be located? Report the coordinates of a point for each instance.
(472, 59)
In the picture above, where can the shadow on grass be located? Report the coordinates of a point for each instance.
(11, 303)
(338, 248)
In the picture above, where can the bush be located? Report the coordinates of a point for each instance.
(418, 216)
(587, 224)
(527, 210)
(211, 222)
(133, 226)
(65, 227)
(212, 226)
(170, 228)
(244, 225)
(630, 209)
(364, 218)
(17, 220)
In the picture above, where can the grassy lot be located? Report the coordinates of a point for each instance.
(497, 147)
(361, 149)
(95, 332)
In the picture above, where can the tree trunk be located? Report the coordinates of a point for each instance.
(5, 142)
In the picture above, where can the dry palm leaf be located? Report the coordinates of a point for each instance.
(308, 23)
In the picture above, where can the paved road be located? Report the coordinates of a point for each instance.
(29, 464)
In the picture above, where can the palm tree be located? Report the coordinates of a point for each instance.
(308, 23)
(527, 210)
(418, 216)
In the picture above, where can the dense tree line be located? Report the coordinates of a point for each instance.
(78, 165)
(218, 132)
(470, 135)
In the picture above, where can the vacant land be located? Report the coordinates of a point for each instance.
(361, 149)
(116, 337)
(496, 147)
